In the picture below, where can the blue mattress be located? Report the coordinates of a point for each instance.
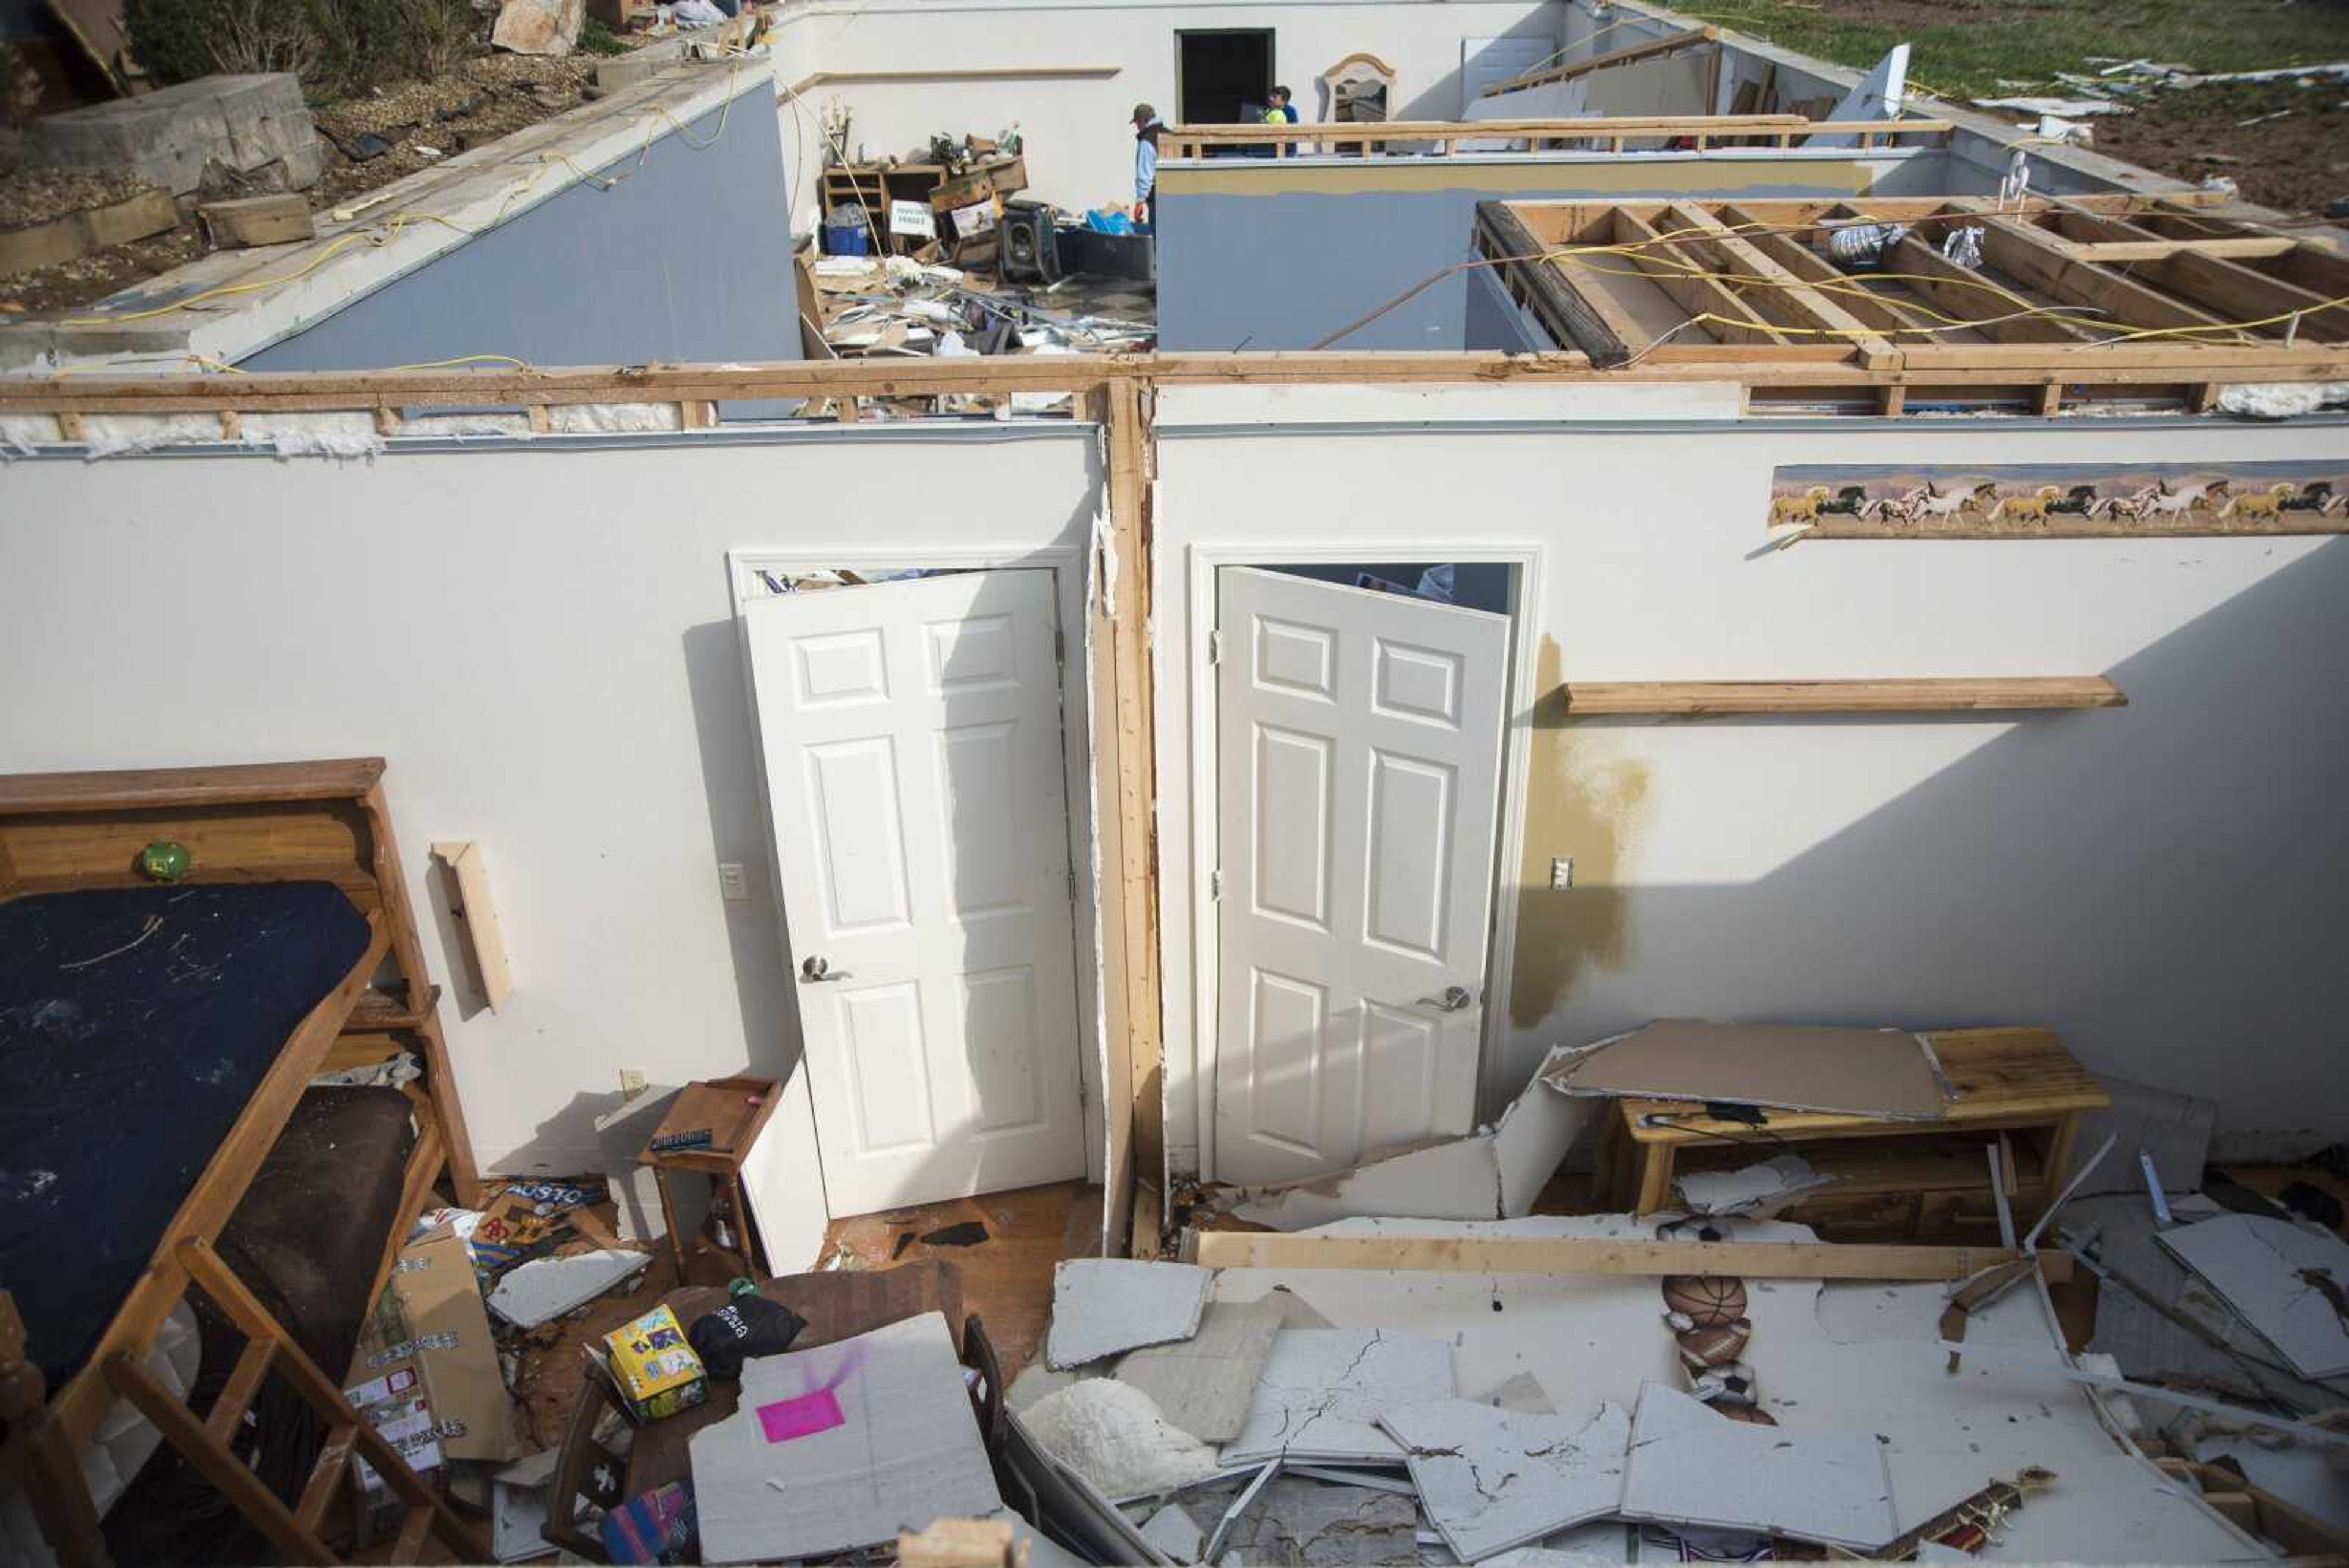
(134, 1024)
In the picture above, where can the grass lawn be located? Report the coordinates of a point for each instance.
(1981, 48)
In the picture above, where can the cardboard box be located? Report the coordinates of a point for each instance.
(654, 1369)
(431, 1322)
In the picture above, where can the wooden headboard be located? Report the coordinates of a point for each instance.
(270, 822)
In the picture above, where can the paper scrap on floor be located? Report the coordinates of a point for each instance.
(2290, 1283)
(1491, 1478)
(1886, 1072)
(1691, 1465)
(841, 1447)
(1101, 1306)
(1765, 1189)
(1322, 1391)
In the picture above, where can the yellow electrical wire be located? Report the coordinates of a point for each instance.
(466, 359)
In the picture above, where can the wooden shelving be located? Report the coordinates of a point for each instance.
(1713, 699)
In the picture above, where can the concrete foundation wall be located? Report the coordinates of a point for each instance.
(2160, 883)
(681, 259)
(1276, 256)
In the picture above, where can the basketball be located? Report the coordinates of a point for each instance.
(1711, 1300)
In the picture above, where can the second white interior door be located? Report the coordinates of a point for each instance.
(1358, 784)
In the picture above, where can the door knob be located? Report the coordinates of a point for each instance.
(1453, 999)
(817, 969)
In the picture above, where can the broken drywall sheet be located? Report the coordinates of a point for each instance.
(2289, 1283)
(1690, 1464)
(1203, 1384)
(842, 1447)
(545, 1288)
(1116, 1438)
(1492, 1173)
(1322, 1391)
(1491, 1479)
(1876, 96)
(1173, 1531)
(1859, 1357)
(2144, 1292)
(1767, 1189)
(1522, 1393)
(2173, 1129)
(1105, 1305)
(1307, 1523)
(1886, 1072)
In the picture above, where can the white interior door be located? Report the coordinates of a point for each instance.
(1358, 782)
(911, 733)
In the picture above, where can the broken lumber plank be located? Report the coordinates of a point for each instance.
(1669, 44)
(1578, 1255)
(73, 234)
(258, 221)
(1588, 319)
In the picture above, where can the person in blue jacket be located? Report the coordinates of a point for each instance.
(1146, 129)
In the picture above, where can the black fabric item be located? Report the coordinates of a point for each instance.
(134, 1023)
(746, 1326)
(306, 1239)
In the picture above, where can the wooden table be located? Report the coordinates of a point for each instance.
(735, 1110)
(1897, 1179)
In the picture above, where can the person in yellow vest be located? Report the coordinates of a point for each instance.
(1282, 112)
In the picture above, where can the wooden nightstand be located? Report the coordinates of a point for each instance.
(734, 1110)
(1898, 1180)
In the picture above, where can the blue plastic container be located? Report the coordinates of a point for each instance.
(846, 240)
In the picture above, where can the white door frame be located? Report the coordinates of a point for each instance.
(1066, 563)
(1516, 733)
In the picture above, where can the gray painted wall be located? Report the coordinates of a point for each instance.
(1283, 269)
(688, 258)
(1497, 321)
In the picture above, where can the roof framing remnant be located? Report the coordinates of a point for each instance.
(2074, 289)
(1670, 44)
(1702, 132)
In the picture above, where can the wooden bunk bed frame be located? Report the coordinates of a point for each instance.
(324, 821)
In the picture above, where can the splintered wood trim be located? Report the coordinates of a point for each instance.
(1701, 698)
(1589, 318)
(1579, 1255)
(1672, 43)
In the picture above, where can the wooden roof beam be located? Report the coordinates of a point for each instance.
(1577, 316)
(2026, 251)
(1729, 318)
(1991, 307)
(1798, 303)
(1849, 292)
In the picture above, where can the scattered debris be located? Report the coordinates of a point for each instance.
(1203, 1384)
(1323, 1391)
(1764, 1190)
(1688, 1466)
(1101, 1306)
(2286, 1279)
(546, 1288)
(853, 1432)
(1490, 1480)
(962, 1234)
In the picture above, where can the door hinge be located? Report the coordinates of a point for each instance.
(1059, 646)
(1073, 886)
(1214, 884)
(1215, 648)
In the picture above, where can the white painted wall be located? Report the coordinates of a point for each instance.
(1080, 143)
(539, 638)
(2160, 883)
